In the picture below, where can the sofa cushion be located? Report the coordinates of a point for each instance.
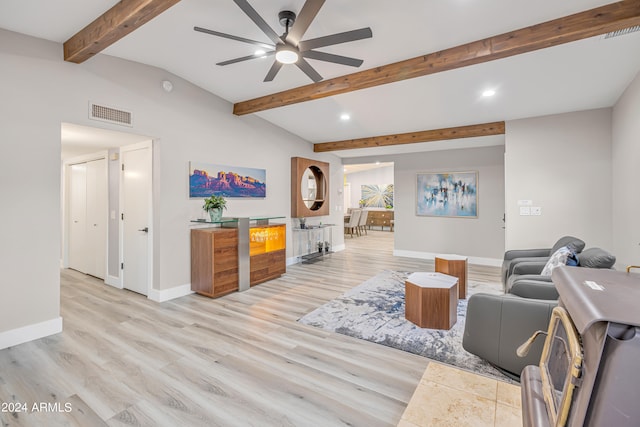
(576, 244)
(558, 258)
(596, 258)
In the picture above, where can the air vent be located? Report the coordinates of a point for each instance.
(622, 32)
(110, 114)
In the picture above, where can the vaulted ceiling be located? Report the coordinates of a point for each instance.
(585, 74)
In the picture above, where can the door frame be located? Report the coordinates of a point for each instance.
(132, 147)
(66, 226)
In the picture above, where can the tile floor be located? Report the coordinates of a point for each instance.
(447, 396)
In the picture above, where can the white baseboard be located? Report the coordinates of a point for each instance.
(113, 281)
(338, 248)
(31, 332)
(169, 294)
(493, 262)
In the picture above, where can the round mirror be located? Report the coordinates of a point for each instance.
(312, 188)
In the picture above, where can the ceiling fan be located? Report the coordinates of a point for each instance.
(289, 48)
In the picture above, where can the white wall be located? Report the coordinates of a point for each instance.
(562, 163)
(41, 91)
(377, 176)
(626, 176)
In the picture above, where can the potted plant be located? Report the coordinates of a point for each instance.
(214, 205)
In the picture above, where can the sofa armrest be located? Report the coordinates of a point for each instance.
(528, 267)
(536, 289)
(496, 325)
(526, 253)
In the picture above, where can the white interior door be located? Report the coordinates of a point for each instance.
(136, 218)
(96, 230)
(78, 217)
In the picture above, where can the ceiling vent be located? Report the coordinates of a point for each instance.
(622, 32)
(110, 114)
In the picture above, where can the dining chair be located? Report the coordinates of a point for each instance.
(362, 224)
(354, 221)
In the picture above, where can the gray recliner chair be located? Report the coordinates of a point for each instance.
(496, 325)
(535, 257)
(528, 274)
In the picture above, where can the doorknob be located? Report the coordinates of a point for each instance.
(146, 229)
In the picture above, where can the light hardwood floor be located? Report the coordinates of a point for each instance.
(239, 360)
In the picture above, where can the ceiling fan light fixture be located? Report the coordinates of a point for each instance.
(286, 54)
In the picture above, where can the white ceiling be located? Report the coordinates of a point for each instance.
(582, 75)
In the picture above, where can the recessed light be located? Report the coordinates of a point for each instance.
(345, 117)
(377, 163)
(489, 92)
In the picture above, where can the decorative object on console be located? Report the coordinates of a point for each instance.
(229, 181)
(447, 194)
(215, 205)
(309, 188)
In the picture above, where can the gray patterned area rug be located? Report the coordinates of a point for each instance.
(374, 311)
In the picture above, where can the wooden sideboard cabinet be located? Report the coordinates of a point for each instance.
(214, 261)
(380, 218)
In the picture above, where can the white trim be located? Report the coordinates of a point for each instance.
(493, 262)
(113, 281)
(338, 248)
(31, 332)
(171, 293)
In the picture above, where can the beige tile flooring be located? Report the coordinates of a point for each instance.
(447, 396)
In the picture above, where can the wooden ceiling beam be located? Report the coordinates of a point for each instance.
(123, 18)
(594, 22)
(485, 129)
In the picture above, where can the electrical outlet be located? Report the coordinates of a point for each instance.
(536, 210)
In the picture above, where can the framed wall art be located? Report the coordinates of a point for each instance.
(229, 181)
(447, 194)
(376, 196)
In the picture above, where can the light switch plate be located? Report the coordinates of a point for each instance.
(525, 210)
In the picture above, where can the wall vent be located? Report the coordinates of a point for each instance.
(110, 114)
(622, 32)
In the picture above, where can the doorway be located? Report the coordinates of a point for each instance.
(81, 146)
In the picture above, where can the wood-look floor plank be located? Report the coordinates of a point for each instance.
(239, 360)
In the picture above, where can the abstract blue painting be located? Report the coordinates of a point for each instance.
(448, 194)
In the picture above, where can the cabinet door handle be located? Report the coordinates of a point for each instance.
(146, 229)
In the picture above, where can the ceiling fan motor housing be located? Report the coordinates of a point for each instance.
(286, 18)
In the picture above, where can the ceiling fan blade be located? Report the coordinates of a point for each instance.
(303, 20)
(273, 71)
(257, 19)
(229, 36)
(347, 36)
(246, 58)
(308, 70)
(330, 57)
